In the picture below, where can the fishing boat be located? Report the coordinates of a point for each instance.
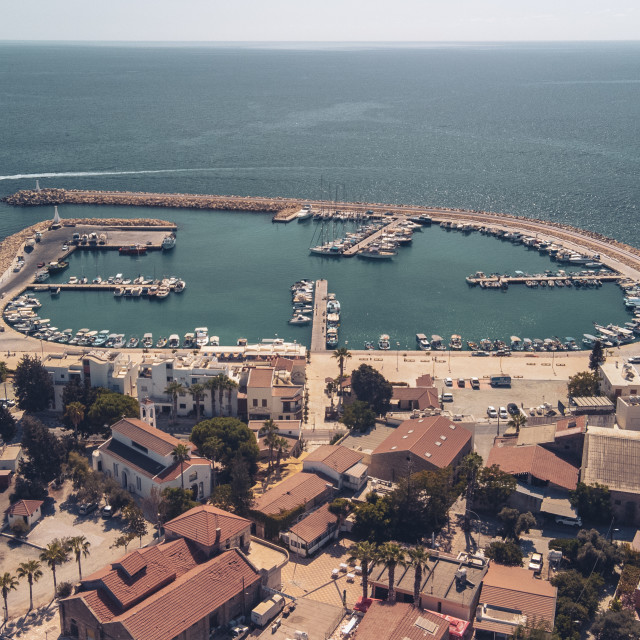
(332, 338)
(162, 292)
(168, 242)
(57, 266)
(202, 336)
(132, 342)
(437, 343)
(300, 319)
(189, 340)
(147, 340)
(162, 342)
(516, 343)
(423, 342)
(174, 341)
(214, 341)
(42, 275)
(133, 250)
(384, 343)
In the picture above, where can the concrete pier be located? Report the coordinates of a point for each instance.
(489, 281)
(352, 251)
(319, 322)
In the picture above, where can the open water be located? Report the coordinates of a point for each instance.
(541, 130)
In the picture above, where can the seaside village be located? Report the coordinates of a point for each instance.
(268, 492)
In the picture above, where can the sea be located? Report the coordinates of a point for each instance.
(542, 130)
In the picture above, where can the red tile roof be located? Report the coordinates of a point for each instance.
(315, 524)
(285, 392)
(579, 422)
(424, 381)
(292, 492)
(397, 621)
(173, 472)
(516, 589)
(24, 507)
(537, 461)
(260, 377)
(336, 457)
(190, 598)
(426, 397)
(153, 439)
(435, 439)
(200, 524)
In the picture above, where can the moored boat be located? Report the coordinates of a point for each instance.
(174, 341)
(384, 343)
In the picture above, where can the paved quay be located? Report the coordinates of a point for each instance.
(319, 327)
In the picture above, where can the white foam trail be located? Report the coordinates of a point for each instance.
(79, 174)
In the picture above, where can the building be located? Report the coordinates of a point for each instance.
(269, 393)
(157, 371)
(450, 584)
(618, 379)
(535, 465)
(140, 457)
(301, 490)
(113, 370)
(290, 430)
(420, 445)
(513, 597)
(612, 457)
(312, 532)
(344, 466)
(27, 511)
(628, 412)
(166, 591)
(11, 457)
(400, 621)
(415, 399)
(564, 437)
(210, 530)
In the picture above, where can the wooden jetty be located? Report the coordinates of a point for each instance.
(363, 244)
(319, 321)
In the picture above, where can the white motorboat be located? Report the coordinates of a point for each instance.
(300, 319)
(147, 340)
(423, 342)
(189, 340)
(174, 341)
(214, 341)
(202, 336)
(168, 242)
(384, 343)
(305, 213)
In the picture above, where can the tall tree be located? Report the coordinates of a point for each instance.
(53, 555)
(282, 446)
(74, 412)
(32, 384)
(340, 507)
(517, 421)
(616, 625)
(180, 453)
(136, 524)
(468, 478)
(175, 502)
(392, 555)
(79, 546)
(341, 354)
(269, 430)
(358, 416)
(7, 583)
(197, 392)
(32, 572)
(109, 407)
(211, 385)
(45, 452)
(596, 357)
(593, 501)
(212, 448)
(418, 558)
(226, 384)
(8, 426)
(174, 389)
(370, 386)
(241, 493)
(364, 552)
(584, 383)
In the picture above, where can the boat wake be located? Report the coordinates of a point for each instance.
(79, 174)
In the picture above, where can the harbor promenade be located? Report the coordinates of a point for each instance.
(319, 322)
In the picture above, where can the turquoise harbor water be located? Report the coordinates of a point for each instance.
(541, 130)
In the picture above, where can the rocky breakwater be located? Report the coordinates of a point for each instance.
(28, 198)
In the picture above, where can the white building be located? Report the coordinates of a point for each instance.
(628, 412)
(140, 458)
(27, 511)
(619, 378)
(112, 370)
(270, 394)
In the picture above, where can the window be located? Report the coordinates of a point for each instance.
(115, 469)
(139, 447)
(201, 489)
(138, 483)
(169, 378)
(193, 476)
(264, 402)
(194, 380)
(255, 402)
(227, 544)
(62, 375)
(73, 628)
(183, 406)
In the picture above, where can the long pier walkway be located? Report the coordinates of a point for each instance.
(495, 281)
(319, 323)
(352, 251)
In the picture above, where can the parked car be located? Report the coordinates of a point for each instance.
(502, 412)
(107, 511)
(634, 360)
(237, 633)
(448, 382)
(512, 408)
(491, 412)
(447, 397)
(87, 507)
(461, 382)
(475, 383)
(536, 562)
(572, 522)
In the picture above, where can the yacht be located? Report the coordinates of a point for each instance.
(456, 342)
(168, 242)
(174, 341)
(202, 336)
(436, 343)
(423, 342)
(383, 342)
(300, 319)
(119, 341)
(304, 214)
(332, 338)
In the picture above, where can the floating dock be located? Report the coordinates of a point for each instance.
(319, 322)
(363, 244)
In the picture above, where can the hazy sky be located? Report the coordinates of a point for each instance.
(322, 20)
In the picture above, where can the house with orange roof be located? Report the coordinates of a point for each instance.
(344, 466)
(312, 532)
(27, 511)
(268, 393)
(140, 458)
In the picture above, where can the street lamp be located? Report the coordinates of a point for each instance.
(397, 356)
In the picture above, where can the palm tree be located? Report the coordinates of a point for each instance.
(518, 420)
(418, 558)
(341, 355)
(211, 385)
(197, 391)
(269, 430)
(32, 572)
(282, 446)
(174, 389)
(364, 552)
(230, 385)
(212, 448)
(392, 555)
(181, 453)
(79, 545)
(7, 583)
(340, 507)
(54, 554)
(225, 384)
(75, 414)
